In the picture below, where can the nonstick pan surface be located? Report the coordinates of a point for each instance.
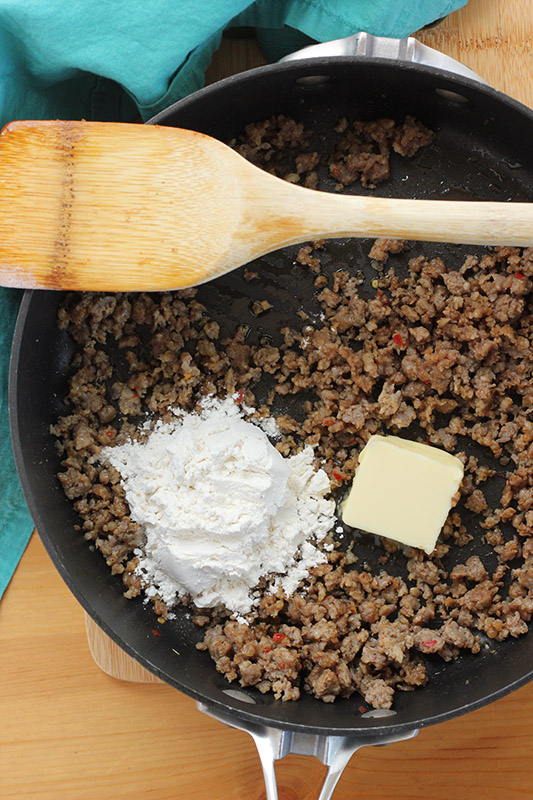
(483, 151)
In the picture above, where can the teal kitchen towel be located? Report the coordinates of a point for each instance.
(15, 522)
(122, 60)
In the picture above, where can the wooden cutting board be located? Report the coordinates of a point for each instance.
(495, 39)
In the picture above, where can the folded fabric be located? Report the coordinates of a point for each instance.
(127, 59)
(62, 59)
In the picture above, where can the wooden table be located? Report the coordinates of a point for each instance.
(71, 732)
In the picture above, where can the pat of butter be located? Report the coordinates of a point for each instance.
(403, 490)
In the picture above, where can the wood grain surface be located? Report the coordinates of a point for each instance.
(69, 730)
(495, 39)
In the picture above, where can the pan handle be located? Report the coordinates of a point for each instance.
(273, 744)
(364, 44)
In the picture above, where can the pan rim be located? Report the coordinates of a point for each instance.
(313, 64)
(374, 725)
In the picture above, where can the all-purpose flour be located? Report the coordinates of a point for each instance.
(222, 508)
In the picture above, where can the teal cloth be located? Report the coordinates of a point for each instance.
(15, 522)
(124, 59)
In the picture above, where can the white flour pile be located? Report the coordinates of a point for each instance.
(222, 508)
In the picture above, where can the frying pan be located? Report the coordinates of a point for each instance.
(482, 151)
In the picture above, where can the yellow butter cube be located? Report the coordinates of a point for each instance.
(403, 490)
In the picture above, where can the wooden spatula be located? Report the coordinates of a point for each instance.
(110, 206)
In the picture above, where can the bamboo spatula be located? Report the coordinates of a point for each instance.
(111, 206)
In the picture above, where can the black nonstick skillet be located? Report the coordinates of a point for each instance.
(482, 150)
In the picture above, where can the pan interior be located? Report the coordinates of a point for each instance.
(481, 152)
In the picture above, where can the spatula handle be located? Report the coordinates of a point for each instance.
(322, 214)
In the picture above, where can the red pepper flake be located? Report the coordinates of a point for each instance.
(156, 633)
(282, 666)
(337, 475)
(238, 396)
(362, 709)
(519, 274)
(379, 293)
(267, 650)
(135, 393)
(278, 637)
(430, 643)
(426, 382)
(397, 339)
(109, 434)
(328, 421)
(428, 440)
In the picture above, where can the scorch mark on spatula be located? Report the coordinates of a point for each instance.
(67, 140)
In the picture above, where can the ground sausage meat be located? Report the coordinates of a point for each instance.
(440, 355)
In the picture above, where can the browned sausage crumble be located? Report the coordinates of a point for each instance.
(444, 356)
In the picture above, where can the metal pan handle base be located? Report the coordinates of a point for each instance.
(364, 44)
(273, 744)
